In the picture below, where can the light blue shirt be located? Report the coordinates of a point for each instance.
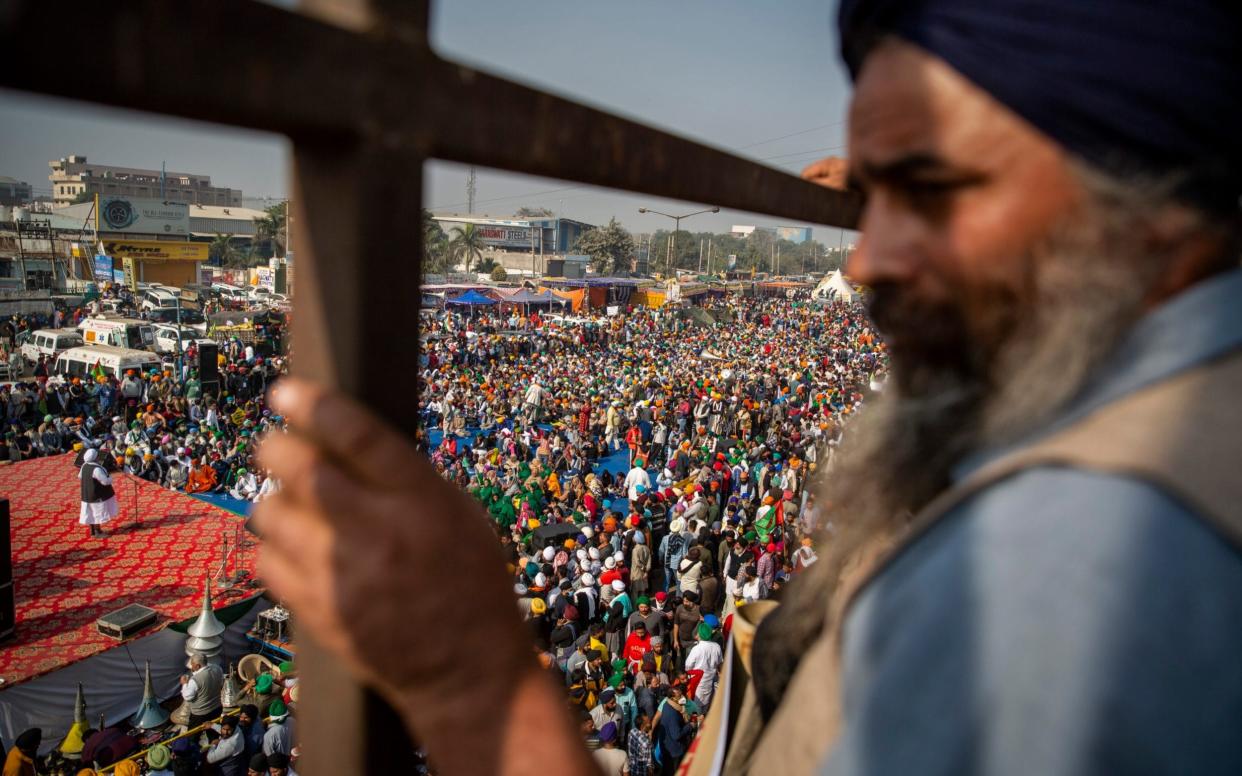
(1062, 621)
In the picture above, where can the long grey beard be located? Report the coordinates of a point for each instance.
(1085, 292)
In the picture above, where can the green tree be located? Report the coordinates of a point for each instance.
(499, 275)
(760, 252)
(270, 228)
(83, 196)
(222, 252)
(435, 246)
(253, 258)
(834, 259)
(534, 212)
(466, 247)
(610, 247)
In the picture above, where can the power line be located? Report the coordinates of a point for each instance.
(804, 153)
(791, 134)
(512, 196)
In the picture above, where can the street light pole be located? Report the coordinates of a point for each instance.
(668, 261)
(180, 349)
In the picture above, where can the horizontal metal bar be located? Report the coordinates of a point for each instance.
(234, 62)
(482, 119)
(246, 63)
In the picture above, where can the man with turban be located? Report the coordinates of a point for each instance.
(1036, 561)
(279, 735)
(228, 747)
(203, 478)
(704, 660)
(98, 498)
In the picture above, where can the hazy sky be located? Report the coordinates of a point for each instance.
(763, 79)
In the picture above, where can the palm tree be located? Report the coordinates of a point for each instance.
(466, 245)
(270, 227)
(222, 251)
(435, 246)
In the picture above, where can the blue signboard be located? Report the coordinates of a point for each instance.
(103, 268)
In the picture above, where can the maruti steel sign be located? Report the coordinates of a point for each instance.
(496, 232)
(506, 236)
(143, 216)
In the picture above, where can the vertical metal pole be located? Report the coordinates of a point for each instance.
(351, 197)
(180, 347)
(21, 252)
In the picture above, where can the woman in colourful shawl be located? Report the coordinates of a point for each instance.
(526, 514)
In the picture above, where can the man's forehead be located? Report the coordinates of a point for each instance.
(912, 110)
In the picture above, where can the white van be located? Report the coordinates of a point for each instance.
(50, 343)
(166, 338)
(231, 293)
(156, 298)
(81, 362)
(118, 332)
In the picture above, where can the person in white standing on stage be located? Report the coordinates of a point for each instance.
(98, 499)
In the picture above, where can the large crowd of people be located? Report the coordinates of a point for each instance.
(646, 473)
(256, 737)
(162, 425)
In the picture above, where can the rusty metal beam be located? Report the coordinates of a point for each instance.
(235, 62)
(483, 119)
(319, 79)
(348, 201)
(352, 200)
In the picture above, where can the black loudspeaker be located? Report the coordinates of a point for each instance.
(208, 364)
(124, 623)
(8, 612)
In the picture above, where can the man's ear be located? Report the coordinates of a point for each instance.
(1196, 250)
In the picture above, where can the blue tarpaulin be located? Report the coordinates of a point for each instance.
(471, 298)
(224, 501)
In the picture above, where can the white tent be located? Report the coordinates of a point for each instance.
(835, 286)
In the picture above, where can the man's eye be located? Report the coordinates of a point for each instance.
(928, 195)
(932, 188)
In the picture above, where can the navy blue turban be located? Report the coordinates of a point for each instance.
(1131, 86)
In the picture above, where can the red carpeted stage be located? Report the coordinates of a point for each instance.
(156, 554)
